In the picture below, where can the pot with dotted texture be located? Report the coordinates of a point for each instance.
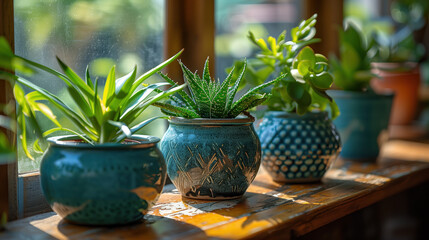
(298, 148)
(102, 184)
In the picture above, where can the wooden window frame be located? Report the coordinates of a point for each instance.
(190, 25)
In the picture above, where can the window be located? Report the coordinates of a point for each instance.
(80, 32)
(234, 19)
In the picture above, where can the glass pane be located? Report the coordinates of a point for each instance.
(100, 33)
(234, 19)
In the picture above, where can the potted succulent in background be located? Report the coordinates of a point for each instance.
(211, 152)
(396, 60)
(364, 114)
(102, 174)
(299, 141)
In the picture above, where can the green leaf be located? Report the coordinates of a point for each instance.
(307, 54)
(233, 91)
(132, 113)
(45, 110)
(303, 103)
(250, 101)
(320, 58)
(88, 78)
(142, 95)
(183, 94)
(200, 92)
(250, 96)
(75, 80)
(137, 127)
(177, 111)
(322, 80)
(122, 126)
(154, 70)
(296, 90)
(109, 87)
(304, 67)
(206, 71)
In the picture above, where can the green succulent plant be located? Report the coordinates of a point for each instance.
(352, 72)
(212, 99)
(306, 78)
(98, 116)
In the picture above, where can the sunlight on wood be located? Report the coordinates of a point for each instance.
(405, 150)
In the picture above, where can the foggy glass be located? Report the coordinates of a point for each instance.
(235, 18)
(98, 33)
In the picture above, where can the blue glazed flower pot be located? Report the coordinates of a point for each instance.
(364, 115)
(211, 159)
(104, 184)
(298, 148)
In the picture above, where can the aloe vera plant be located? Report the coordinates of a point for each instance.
(212, 99)
(98, 116)
(306, 78)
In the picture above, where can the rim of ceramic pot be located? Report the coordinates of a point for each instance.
(396, 67)
(136, 141)
(239, 120)
(308, 115)
(358, 94)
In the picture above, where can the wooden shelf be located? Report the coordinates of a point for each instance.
(268, 209)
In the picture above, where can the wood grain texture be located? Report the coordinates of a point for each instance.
(330, 18)
(190, 25)
(268, 209)
(8, 173)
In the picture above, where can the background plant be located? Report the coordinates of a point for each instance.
(399, 44)
(212, 99)
(306, 78)
(99, 117)
(352, 72)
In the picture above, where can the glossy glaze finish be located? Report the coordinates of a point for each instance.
(105, 184)
(297, 149)
(211, 159)
(364, 115)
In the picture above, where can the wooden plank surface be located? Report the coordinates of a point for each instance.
(268, 209)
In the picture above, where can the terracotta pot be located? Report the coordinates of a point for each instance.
(404, 80)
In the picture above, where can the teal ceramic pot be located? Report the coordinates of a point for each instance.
(105, 184)
(211, 159)
(298, 148)
(364, 115)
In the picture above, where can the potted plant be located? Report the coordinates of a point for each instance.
(364, 114)
(299, 141)
(212, 152)
(101, 174)
(396, 60)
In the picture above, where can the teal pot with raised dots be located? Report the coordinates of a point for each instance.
(298, 148)
(211, 159)
(102, 184)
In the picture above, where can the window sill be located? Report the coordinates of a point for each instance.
(267, 209)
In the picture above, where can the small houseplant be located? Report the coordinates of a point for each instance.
(102, 174)
(299, 142)
(396, 60)
(364, 114)
(211, 152)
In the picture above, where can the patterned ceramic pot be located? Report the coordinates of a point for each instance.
(297, 149)
(105, 184)
(211, 159)
(364, 115)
